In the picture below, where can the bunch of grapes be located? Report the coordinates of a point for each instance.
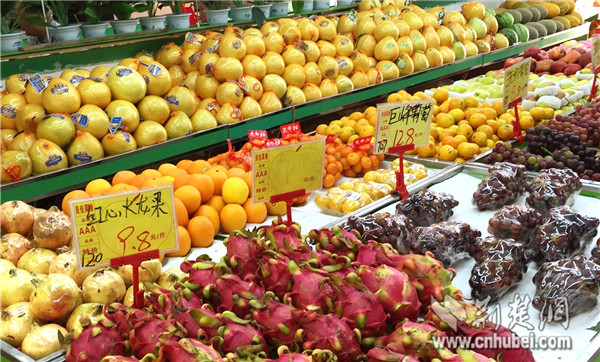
(585, 124)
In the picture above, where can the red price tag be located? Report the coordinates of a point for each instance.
(360, 143)
(257, 135)
(290, 130)
(330, 138)
(274, 142)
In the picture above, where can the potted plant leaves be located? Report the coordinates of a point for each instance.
(241, 12)
(60, 14)
(216, 15)
(10, 17)
(122, 11)
(177, 20)
(280, 8)
(152, 21)
(264, 7)
(94, 28)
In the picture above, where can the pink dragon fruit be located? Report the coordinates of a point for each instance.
(427, 274)
(187, 350)
(119, 359)
(122, 316)
(316, 355)
(200, 323)
(329, 332)
(273, 274)
(286, 240)
(230, 293)
(312, 289)
(278, 321)
(382, 355)
(167, 302)
(467, 355)
(243, 251)
(150, 333)
(336, 241)
(105, 339)
(393, 288)
(414, 338)
(238, 336)
(360, 309)
(202, 272)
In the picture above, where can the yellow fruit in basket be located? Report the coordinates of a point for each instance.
(178, 125)
(149, 133)
(254, 65)
(276, 209)
(326, 27)
(228, 68)
(28, 117)
(16, 83)
(158, 78)
(210, 104)
(94, 91)
(345, 65)
(100, 72)
(57, 128)
(207, 60)
(177, 74)
(294, 74)
(46, 156)
(274, 83)
(206, 86)
(375, 76)
(130, 117)
(290, 32)
(440, 95)
(11, 104)
(308, 29)
(154, 108)
(126, 84)
(31, 94)
(274, 63)
(251, 86)
(274, 42)
(343, 84)
(61, 97)
(467, 150)
(387, 49)
(95, 123)
(311, 92)
(388, 69)
(444, 120)
(359, 60)
(203, 120)
(364, 25)
(328, 88)
(72, 76)
(479, 138)
(255, 45)
(235, 191)
(293, 96)
(328, 66)
(343, 45)
(181, 99)
(250, 108)
(195, 45)
(211, 43)
(130, 63)
(447, 153)
(169, 55)
(228, 113)
(313, 73)
(118, 143)
(269, 102)
(359, 79)
(229, 92)
(293, 55)
(505, 131)
(310, 49)
(366, 43)
(232, 46)
(405, 45)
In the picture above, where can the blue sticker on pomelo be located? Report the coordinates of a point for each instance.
(122, 72)
(53, 160)
(83, 157)
(115, 124)
(8, 111)
(173, 100)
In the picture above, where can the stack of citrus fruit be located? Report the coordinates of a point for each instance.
(207, 198)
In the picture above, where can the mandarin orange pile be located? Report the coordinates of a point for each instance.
(207, 198)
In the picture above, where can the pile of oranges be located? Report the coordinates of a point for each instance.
(207, 198)
(349, 128)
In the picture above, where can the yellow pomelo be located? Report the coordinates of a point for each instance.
(61, 97)
(228, 68)
(206, 86)
(157, 77)
(126, 84)
(28, 117)
(229, 92)
(311, 92)
(231, 46)
(202, 120)
(294, 74)
(255, 45)
(94, 91)
(11, 104)
(274, 63)
(118, 143)
(96, 120)
(313, 73)
(181, 99)
(130, 117)
(269, 102)
(169, 55)
(149, 133)
(46, 156)
(16, 83)
(250, 108)
(154, 108)
(274, 83)
(228, 114)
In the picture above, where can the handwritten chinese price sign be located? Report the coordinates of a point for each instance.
(516, 78)
(405, 123)
(287, 168)
(107, 227)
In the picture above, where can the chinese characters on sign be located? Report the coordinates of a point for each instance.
(516, 78)
(111, 226)
(287, 168)
(400, 124)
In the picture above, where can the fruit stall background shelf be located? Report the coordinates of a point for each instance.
(64, 180)
(584, 348)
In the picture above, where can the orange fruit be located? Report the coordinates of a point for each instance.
(248, 179)
(235, 172)
(184, 164)
(97, 187)
(123, 177)
(181, 213)
(505, 131)
(202, 183)
(355, 116)
(158, 182)
(121, 188)
(449, 140)
(217, 202)
(489, 112)
(201, 231)
(185, 243)
(138, 180)
(477, 119)
(165, 168)
(498, 107)
(235, 191)
(440, 95)
(150, 172)
(73, 195)
(455, 103)
(256, 213)
(199, 166)
(220, 168)
(233, 217)
(190, 196)
(212, 215)
(219, 177)
(181, 177)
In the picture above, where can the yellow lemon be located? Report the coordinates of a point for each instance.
(235, 191)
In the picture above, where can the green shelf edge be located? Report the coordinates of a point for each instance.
(29, 189)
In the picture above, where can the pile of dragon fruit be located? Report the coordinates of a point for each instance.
(276, 295)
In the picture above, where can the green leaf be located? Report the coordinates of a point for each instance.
(38, 21)
(258, 16)
(596, 329)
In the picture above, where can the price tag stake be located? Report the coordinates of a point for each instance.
(288, 197)
(516, 78)
(400, 185)
(135, 261)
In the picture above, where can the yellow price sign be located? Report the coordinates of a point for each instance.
(111, 226)
(595, 53)
(516, 78)
(287, 168)
(400, 124)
